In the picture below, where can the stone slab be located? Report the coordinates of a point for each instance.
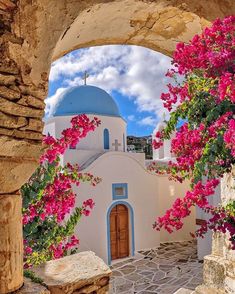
(71, 273)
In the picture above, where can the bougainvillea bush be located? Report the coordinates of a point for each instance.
(204, 145)
(49, 212)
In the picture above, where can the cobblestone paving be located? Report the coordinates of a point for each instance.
(162, 270)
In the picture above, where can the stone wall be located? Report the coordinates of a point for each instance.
(21, 111)
(219, 267)
(21, 108)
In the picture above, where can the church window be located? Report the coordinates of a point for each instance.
(106, 139)
(120, 191)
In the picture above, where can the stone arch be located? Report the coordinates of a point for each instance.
(33, 34)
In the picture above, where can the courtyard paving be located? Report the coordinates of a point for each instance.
(162, 270)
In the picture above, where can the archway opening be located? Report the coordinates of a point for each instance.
(133, 76)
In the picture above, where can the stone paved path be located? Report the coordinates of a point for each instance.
(163, 270)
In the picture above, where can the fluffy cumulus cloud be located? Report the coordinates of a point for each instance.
(148, 121)
(135, 72)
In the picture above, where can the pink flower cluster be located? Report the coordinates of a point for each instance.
(59, 249)
(57, 199)
(229, 136)
(212, 53)
(81, 125)
(172, 220)
(175, 94)
(157, 142)
(87, 206)
(205, 146)
(226, 87)
(187, 146)
(222, 220)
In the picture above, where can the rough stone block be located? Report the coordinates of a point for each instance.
(19, 110)
(31, 101)
(230, 284)
(9, 93)
(217, 244)
(11, 122)
(30, 287)
(21, 134)
(19, 149)
(202, 289)
(103, 290)
(14, 173)
(7, 79)
(214, 271)
(34, 125)
(75, 274)
(33, 91)
(8, 67)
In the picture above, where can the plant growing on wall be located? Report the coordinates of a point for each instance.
(205, 144)
(49, 212)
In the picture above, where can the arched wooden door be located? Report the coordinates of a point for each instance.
(119, 232)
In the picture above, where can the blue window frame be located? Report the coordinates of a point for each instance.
(120, 191)
(106, 139)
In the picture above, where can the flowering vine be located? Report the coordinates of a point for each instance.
(49, 212)
(204, 145)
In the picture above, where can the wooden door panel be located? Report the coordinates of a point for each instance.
(119, 232)
(113, 235)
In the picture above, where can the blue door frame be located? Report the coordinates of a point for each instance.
(131, 213)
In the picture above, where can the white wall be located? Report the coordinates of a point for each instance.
(117, 167)
(148, 194)
(204, 245)
(168, 192)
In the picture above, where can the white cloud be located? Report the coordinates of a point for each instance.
(52, 101)
(136, 72)
(131, 117)
(148, 121)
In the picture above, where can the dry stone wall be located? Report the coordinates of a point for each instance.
(21, 109)
(219, 267)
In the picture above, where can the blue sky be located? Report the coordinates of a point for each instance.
(134, 76)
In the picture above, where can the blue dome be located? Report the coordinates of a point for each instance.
(86, 99)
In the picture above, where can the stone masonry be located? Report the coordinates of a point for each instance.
(219, 267)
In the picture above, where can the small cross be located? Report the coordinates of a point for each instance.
(116, 144)
(85, 76)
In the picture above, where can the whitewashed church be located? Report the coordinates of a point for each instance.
(129, 197)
